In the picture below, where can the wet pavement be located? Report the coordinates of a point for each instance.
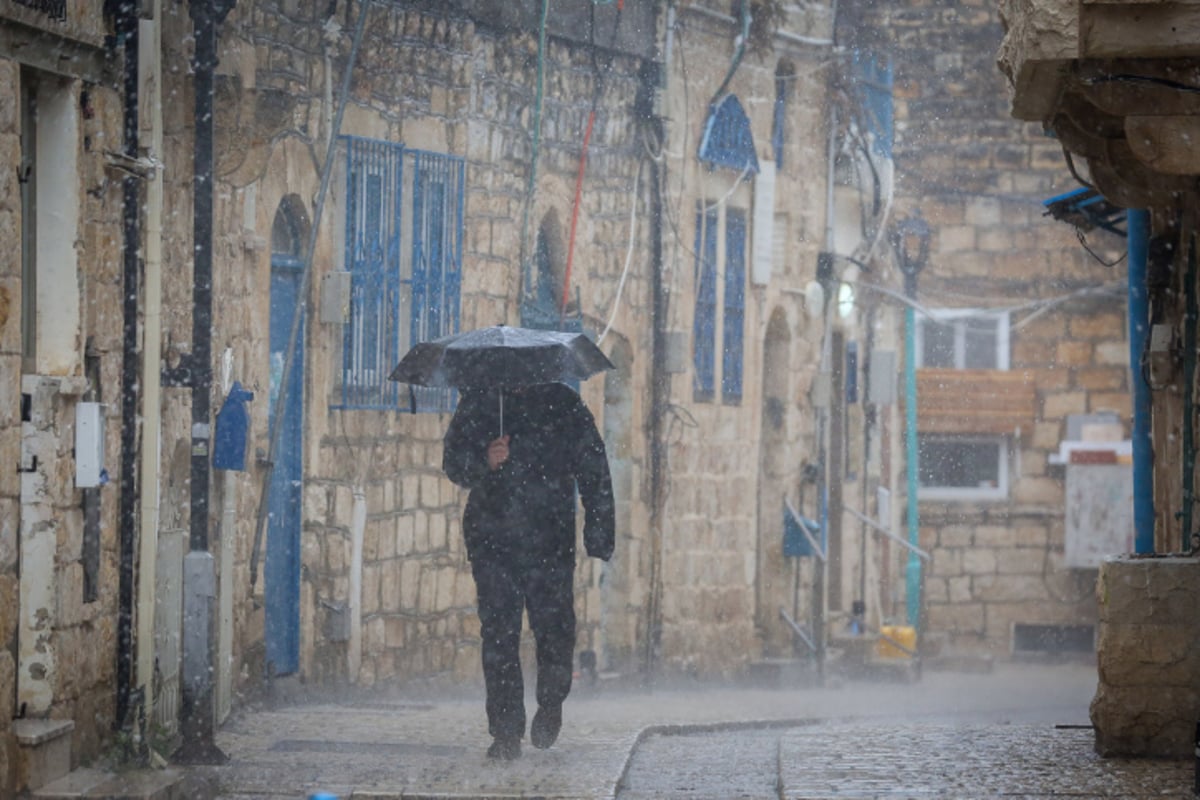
(1020, 731)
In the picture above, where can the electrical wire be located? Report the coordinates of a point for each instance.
(616, 303)
(597, 91)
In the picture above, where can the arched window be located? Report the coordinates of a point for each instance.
(543, 297)
(727, 140)
(287, 233)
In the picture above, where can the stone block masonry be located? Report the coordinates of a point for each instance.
(1148, 698)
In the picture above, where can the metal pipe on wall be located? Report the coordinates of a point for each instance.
(1138, 224)
(127, 26)
(150, 60)
(199, 574)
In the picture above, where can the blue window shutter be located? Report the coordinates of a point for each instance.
(735, 306)
(377, 215)
(727, 140)
(704, 322)
(437, 203)
(372, 249)
(874, 75)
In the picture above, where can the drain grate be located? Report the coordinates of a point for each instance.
(365, 748)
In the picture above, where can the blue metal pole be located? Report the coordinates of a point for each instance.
(1139, 329)
(913, 588)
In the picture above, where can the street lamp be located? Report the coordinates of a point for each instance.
(910, 240)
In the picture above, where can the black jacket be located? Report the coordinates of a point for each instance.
(525, 510)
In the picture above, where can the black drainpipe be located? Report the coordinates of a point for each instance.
(197, 718)
(127, 33)
(200, 361)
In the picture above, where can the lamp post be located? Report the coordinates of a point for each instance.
(910, 239)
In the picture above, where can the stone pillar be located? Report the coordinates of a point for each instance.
(1147, 702)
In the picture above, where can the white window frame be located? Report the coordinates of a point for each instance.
(972, 493)
(960, 318)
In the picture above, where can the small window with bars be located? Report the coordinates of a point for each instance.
(403, 249)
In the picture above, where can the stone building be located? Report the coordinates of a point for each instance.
(1020, 339)
(1116, 84)
(63, 197)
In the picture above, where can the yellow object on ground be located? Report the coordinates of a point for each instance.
(905, 635)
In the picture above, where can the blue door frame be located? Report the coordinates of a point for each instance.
(281, 570)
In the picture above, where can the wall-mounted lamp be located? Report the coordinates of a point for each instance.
(910, 240)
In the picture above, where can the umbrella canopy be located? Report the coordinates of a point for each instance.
(501, 357)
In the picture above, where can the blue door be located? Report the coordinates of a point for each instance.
(281, 570)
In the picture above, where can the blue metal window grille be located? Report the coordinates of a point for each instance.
(401, 292)
(704, 323)
(727, 140)
(875, 79)
(437, 224)
(735, 306)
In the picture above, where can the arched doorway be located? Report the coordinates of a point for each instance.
(773, 586)
(281, 567)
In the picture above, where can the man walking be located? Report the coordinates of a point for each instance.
(522, 452)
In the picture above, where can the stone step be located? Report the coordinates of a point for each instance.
(142, 784)
(44, 750)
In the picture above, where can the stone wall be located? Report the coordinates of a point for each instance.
(465, 91)
(1148, 699)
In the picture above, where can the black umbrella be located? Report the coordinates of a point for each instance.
(501, 358)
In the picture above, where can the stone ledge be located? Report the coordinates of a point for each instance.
(33, 732)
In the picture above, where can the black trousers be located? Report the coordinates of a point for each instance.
(547, 592)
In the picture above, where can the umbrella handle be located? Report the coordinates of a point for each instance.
(501, 413)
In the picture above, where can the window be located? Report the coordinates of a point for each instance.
(704, 323)
(720, 250)
(962, 467)
(785, 74)
(404, 222)
(957, 466)
(735, 306)
(963, 340)
(49, 186)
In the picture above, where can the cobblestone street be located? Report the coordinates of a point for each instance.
(934, 758)
(1018, 732)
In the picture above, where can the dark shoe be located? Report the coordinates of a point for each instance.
(505, 748)
(547, 722)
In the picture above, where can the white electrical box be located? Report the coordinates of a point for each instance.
(335, 298)
(883, 378)
(89, 445)
(1099, 519)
